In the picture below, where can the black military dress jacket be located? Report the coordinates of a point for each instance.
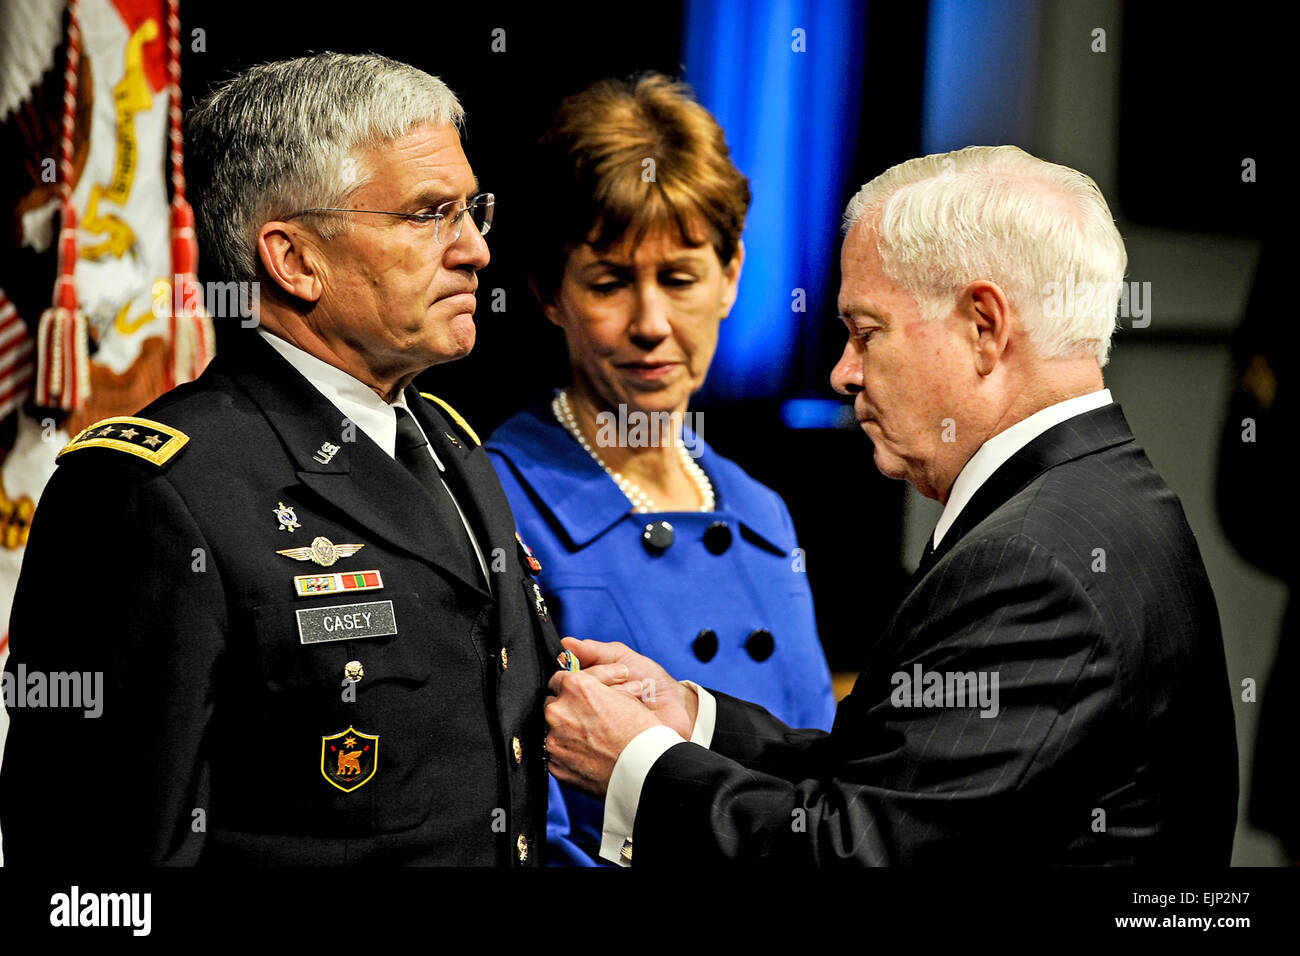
(380, 709)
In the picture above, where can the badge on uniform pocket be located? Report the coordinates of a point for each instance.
(349, 758)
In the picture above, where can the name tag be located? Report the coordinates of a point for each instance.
(344, 622)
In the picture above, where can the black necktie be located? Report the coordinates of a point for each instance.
(412, 451)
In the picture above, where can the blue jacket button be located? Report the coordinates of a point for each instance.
(705, 645)
(718, 537)
(657, 537)
(760, 644)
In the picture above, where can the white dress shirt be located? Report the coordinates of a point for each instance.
(639, 756)
(994, 453)
(365, 409)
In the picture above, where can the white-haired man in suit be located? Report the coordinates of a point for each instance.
(1052, 689)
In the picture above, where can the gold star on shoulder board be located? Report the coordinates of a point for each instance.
(153, 441)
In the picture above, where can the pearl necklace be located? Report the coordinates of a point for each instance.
(641, 502)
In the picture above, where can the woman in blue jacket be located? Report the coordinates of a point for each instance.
(644, 534)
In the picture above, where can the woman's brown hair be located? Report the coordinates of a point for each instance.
(625, 156)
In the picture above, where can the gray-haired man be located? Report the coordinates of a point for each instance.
(320, 636)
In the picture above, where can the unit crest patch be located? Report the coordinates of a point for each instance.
(349, 758)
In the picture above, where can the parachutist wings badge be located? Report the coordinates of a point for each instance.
(323, 551)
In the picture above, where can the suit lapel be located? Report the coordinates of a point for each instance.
(477, 488)
(471, 476)
(357, 478)
(1073, 438)
(927, 558)
(371, 492)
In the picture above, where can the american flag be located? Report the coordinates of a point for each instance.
(17, 361)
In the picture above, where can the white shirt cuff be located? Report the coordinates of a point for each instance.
(706, 716)
(624, 793)
(633, 766)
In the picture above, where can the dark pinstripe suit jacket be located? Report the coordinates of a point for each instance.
(1072, 576)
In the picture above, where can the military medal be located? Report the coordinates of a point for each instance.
(323, 551)
(533, 563)
(288, 520)
(568, 661)
(309, 584)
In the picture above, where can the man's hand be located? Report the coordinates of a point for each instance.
(622, 668)
(590, 724)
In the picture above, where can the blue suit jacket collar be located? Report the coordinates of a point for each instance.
(584, 500)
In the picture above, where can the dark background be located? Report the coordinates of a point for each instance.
(1183, 115)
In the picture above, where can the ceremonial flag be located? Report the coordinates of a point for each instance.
(89, 102)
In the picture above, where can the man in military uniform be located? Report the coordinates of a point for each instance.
(320, 638)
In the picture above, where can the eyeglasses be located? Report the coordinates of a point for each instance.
(444, 216)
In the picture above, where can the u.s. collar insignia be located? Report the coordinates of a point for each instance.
(288, 520)
(326, 452)
(529, 559)
(349, 758)
(323, 551)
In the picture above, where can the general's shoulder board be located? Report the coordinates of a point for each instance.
(153, 441)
